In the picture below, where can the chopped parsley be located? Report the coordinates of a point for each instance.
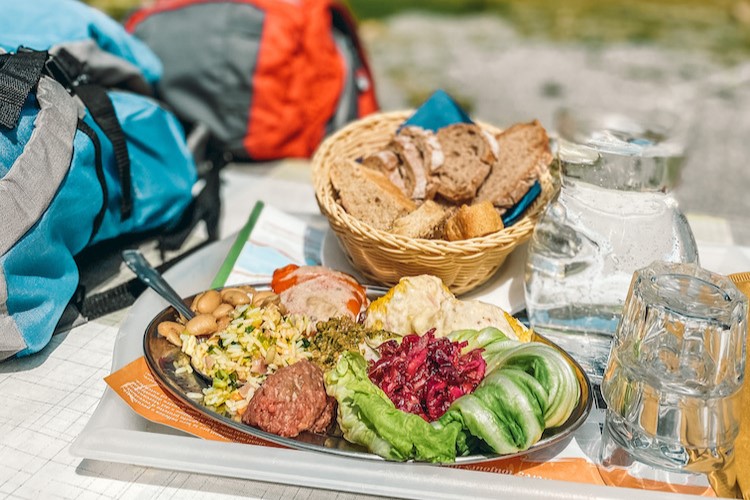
(339, 335)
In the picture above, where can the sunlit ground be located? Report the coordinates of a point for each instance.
(719, 26)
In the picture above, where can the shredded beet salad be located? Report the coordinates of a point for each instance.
(423, 375)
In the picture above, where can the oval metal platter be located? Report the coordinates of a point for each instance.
(161, 356)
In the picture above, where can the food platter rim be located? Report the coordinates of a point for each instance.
(575, 420)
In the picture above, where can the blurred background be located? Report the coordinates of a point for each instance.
(516, 60)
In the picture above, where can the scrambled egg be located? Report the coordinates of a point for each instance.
(419, 303)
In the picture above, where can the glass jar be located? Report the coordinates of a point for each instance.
(614, 214)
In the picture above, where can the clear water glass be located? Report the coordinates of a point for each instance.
(614, 213)
(672, 383)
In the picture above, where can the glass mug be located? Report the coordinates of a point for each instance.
(614, 213)
(674, 378)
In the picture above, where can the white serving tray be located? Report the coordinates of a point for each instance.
(117, 434)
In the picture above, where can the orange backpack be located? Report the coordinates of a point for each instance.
(268, 78)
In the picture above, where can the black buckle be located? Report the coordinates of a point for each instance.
(66, 69)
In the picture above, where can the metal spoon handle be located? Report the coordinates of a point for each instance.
(151, 277)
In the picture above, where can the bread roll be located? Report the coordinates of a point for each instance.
(472, 222)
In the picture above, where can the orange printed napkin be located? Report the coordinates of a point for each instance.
(136, 385)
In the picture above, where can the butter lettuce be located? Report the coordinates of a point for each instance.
(368, 417)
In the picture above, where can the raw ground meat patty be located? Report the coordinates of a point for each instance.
(325, 418)
(291, 401)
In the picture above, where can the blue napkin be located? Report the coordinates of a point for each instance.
(439, 111)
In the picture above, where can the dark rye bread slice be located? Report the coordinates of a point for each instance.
(368, 195)
(524, 154)
(468, 158)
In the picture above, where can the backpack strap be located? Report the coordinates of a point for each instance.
(91, 134)
(102, 67)
(93, 306)
(363, 83)
(19, 74)
(68, 70)
(103, 112)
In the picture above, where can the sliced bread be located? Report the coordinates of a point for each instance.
(473, 221)
(424, 222)
(388, 163)
(428, 145)
(418, 183)
(468, 159)
(368, 195)
(524, 154)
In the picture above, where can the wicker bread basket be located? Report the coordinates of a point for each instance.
(384, 257)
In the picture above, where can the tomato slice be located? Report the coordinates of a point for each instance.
(284, 278)
(354, 306)
(357, 290)
(359, 295)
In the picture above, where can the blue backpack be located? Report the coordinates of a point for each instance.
(85, 156)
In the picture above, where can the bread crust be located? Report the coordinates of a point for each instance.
(388, 163)
(419, 184)
(427, 142)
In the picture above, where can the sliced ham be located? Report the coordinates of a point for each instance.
(318, 291)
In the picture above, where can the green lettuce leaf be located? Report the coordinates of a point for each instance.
(368, 417)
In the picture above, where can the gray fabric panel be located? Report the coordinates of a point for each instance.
(105, 68)
(346, 108)
(47, 155)
(11, 340)
(209, 52)
(6, 354)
